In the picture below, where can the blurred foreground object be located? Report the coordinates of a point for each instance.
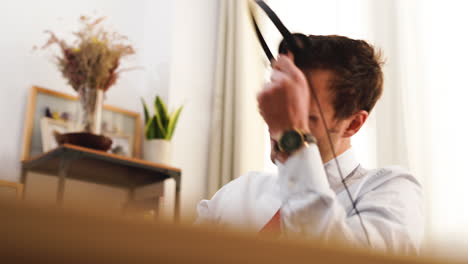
(37, 235)
(11, 190)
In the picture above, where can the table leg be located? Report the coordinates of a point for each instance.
(24, 174)
(129, 203)
(177, 199)
(156, 208)
(63, 171)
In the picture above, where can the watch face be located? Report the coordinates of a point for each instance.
(291, 141)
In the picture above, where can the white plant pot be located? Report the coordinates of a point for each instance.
(158, 151)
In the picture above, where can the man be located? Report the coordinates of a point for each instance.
(307, 197)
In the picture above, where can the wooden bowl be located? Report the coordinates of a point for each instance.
(84, 139)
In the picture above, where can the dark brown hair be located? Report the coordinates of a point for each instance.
(358, 77)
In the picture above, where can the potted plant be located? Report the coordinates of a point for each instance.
(159, 129)
(91, 66)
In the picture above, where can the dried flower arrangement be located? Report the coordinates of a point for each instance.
(92, 60)
(91, 66)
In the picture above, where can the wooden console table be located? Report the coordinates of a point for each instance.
(74, 162)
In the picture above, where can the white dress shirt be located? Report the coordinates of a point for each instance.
(313, 202)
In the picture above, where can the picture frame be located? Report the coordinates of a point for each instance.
(11, 190)
(121, 144)
(48, 127)
(64, 107)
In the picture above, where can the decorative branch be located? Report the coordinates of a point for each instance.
(93, 59)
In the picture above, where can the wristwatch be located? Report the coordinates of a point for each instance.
(294, 139)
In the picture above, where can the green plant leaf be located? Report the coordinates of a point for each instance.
(173, 123)
(145, 110)
(161, 130)
(161, 125)
(150, 131)
(153, 130)
(161, 109)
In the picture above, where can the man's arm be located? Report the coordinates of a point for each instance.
(391, 212)
(206, 209)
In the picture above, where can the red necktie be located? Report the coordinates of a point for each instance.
(273, 227)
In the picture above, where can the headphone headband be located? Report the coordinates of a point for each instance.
(288, 37)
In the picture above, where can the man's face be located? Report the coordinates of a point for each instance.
(321, 80)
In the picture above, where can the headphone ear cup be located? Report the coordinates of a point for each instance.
(300, 49)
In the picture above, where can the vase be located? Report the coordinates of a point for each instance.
(88, 131)
(91, 100)
(158, 151)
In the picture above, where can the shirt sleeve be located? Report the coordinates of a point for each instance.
(391, 212)
(204, 213)
(206, 209)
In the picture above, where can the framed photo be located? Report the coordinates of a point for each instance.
(121, 144)
(11, 190)
(62, 112)
(49, 127)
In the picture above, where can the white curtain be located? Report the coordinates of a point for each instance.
(443, 96)
(420, 122)
(237, 139)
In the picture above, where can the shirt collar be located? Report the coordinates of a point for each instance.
(348, 163)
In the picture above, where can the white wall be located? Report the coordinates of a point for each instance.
(192, 77)
(24, 23)
(174, 41)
